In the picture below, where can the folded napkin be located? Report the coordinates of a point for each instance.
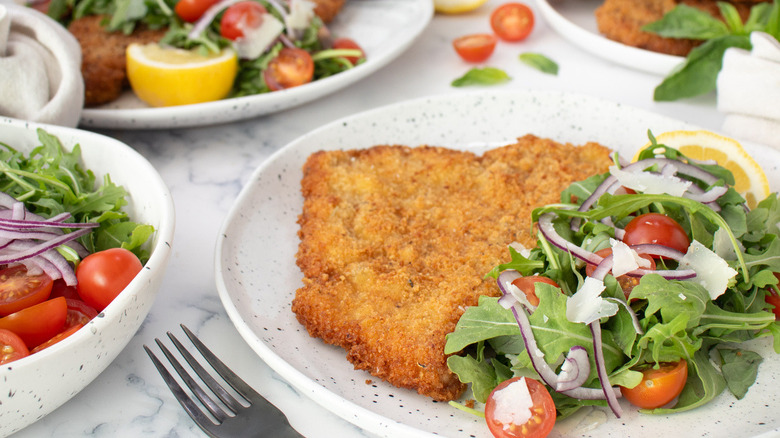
(749, 91)
(40, 68)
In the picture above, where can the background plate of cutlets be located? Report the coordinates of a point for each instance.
(383, 28)
(257, 252)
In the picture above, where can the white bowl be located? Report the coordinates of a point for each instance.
(36, 385)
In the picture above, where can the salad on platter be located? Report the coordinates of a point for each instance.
(179, 52)
(648, 283)
(67, 247)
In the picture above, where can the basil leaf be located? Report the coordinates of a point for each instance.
(699, 73)
(540, 62)
(482, 76)
(773, 22)
(732, 18)
(758, 18)
(687, 22)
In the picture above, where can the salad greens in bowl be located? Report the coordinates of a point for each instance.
(650, 283)
(87, 225)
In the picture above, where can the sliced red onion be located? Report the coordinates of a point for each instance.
(601, 370)
(575, 369)
(508, 299)
(709, 196)
(203, 22)
(16, 252)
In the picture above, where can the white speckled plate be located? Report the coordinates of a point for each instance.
(383, 28)
(575, 21)
(257, 275)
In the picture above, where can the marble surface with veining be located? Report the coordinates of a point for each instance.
(205, 169)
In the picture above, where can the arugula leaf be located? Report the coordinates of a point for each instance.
(739, 369)
(703, 385)
(539, 62)
(482, 76)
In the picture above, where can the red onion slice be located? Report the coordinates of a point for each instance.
(601, 370)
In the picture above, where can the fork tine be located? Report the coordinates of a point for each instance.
(184, 400)
(239, 385)
(204, 375)
(193, 385)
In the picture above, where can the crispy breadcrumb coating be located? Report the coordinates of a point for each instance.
(395, 242)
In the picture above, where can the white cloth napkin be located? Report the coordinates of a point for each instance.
(40, 68)
(749, 91)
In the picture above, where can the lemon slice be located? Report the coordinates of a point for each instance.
(164, 76)
(749, 179)
(456, 6)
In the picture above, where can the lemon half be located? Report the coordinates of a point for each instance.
(749, 179)
(165, 76)
(456, 6)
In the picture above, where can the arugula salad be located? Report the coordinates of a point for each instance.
(645, 284)
(67, 247)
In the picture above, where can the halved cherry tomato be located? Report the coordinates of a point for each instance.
(348, 43)
(60, 289)
(18, 290)
(79, 312)
(512, 21)
(292, 67)
(528, 286)
(476, 47)
(11, 347)
(104, 274)
(542, 412)
(239, 17)
(38, 323)
(774, 299)
(656, 228)
(191, 10)
(658, 386)
(58, 337)
(626, 282)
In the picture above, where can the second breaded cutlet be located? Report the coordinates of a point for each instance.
(622, 21)
(395, 242)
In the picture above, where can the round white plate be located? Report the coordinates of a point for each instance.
(575, 21)
(257, 275)
(383, 28)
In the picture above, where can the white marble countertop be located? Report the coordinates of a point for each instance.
(205, 169)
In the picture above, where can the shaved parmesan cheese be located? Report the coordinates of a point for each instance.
(586, 305)
(256, 41)
(723, 247)
(301, 14)
(712, 271)
(513, 404)
(520, 296)
(625, 259)
(651, 183)
(521, 249)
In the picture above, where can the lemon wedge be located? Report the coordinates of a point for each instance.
(749, 179)
(165, 76)
(456, 6)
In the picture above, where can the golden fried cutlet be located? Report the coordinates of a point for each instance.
(103, 62)
(395, 242)
(622, 21)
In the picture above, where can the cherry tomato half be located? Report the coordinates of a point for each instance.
(191, 10)
(626, 282)
(292, 67)
(774, 299)
(57, 338)
(18, 290)
(528, 286)
(60, 289)
(658, 386)
(241, 16)
(512, 21)
(103, 275)
(656, 228)
(348, 43)
(11, 347)
(79, 313)
(476, 47)
(38, 323)
(542, 412)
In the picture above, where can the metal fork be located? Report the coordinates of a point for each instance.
(259, 419)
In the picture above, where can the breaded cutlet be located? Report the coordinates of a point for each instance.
(395, 242)
(622, 21)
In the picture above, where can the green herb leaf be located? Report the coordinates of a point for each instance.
(699, 73)
(482, 76)
(732, 18)
(688, 22)
(739, 368)
(540, 62)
